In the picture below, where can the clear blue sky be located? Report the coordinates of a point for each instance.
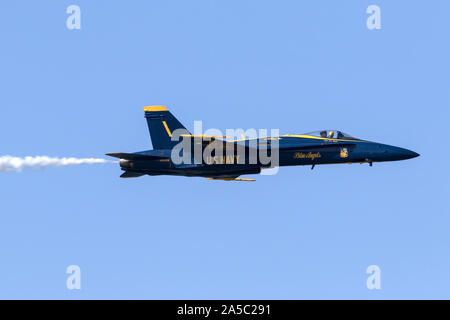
(296, 66)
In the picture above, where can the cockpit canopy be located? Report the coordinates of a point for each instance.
(331, 134)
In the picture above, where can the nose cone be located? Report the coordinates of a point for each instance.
(396, 153)
(411, 154)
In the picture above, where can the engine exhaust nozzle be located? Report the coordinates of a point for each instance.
(126, 164)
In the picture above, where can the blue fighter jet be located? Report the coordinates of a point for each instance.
(227, 160)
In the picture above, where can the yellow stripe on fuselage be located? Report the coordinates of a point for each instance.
(203, 136)
(305, 136)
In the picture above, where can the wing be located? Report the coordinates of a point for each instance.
(231, 179)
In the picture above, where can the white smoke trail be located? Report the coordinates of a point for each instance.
(10, 163)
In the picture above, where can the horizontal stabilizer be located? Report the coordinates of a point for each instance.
(134, 156)
(131, 174)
